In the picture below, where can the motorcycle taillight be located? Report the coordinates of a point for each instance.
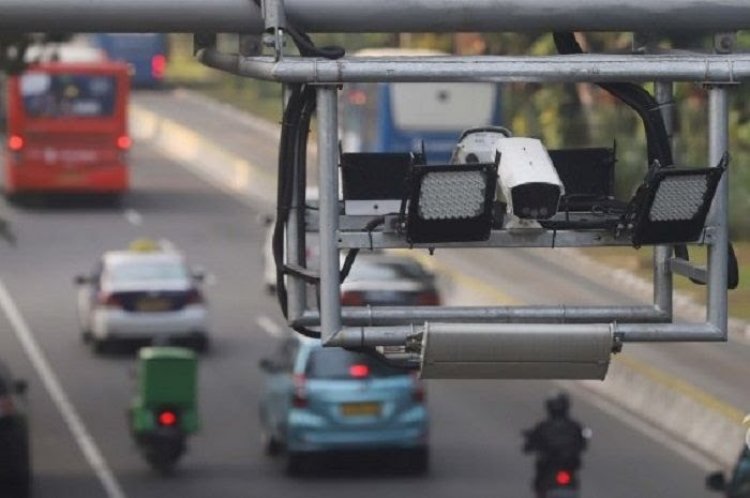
(167, 418)
(563, 477)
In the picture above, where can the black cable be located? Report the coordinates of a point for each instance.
(638, 99)
(352, 254)
(305, 44)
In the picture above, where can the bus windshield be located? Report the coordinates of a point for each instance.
(67, 95)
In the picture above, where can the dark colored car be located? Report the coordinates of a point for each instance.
(738, 486)
(15, 455)
(389, 280)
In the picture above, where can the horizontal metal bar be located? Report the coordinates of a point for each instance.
(624, 332)
(498, 238)
(714, 68)
(687, 269)
(670, 332)
(380, 16)
(418, 315)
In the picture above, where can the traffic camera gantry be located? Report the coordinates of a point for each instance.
(673, 207)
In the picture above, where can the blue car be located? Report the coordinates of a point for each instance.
(328, 400)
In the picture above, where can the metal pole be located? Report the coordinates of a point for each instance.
(330, 293)
(663, 282)
(715, 68)
(718, 136)
(403, 315)
(243, 16)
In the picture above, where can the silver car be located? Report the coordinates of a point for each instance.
(142, 297)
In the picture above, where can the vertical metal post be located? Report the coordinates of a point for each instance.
(662, 274)
(718, 138)
(330, 292)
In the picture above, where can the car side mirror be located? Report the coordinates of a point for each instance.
(20, 386)
(716, 481)
(82, 279)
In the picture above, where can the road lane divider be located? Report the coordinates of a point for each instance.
(682, 411)
(72, 419)
(202, 156)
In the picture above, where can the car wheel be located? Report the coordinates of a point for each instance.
(99, 346)
(86, 336)
(418, 461)
(19, 475)
(296, 463)
(201, 344)
(271, 446)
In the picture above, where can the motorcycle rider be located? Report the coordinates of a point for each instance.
(558, 441)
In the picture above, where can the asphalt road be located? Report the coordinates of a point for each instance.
(476, 424)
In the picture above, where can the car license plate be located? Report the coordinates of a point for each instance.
(71, 178)
(152, 304)
(360, 409)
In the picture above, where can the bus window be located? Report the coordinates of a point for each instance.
(67, 95)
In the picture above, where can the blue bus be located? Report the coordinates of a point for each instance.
(398, 117)
(145, 52)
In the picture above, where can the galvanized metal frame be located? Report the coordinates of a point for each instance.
(393, 325)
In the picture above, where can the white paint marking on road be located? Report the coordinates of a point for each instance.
(133, 217)
(661, 437)
(271, 327)
(71, 417)
(167, 245)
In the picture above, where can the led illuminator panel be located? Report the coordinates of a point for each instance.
(674, 205)
(450, 203)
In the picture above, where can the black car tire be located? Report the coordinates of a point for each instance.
(271, 447)
(18, 475)
(418, 461)
(99, 346)
(296, 463)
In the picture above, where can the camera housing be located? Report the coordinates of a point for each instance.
(477, 145)
(528, 178)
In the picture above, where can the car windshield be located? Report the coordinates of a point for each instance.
(386, 270)
(147, 270)
(336, 363)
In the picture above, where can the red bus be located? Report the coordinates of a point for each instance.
(67, 129)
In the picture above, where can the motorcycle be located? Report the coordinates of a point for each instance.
(163, 412)
(556, 480)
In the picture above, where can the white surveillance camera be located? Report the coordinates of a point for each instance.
(527, 178)
(477, 145)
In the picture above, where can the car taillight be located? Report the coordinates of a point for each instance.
(124, 142)
(167, 418)
(563, 477)
(194, 296)
(417, 393)
(359, 371)
(158, 66)
(108, 299)
(299, 397)
(6, 406)
(15, 143)
(429, 298)
(352, 299)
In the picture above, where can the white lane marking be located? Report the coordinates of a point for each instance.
(659, 436)
(271, 327)
(71, 417)
(133, 217)
(167, 245)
